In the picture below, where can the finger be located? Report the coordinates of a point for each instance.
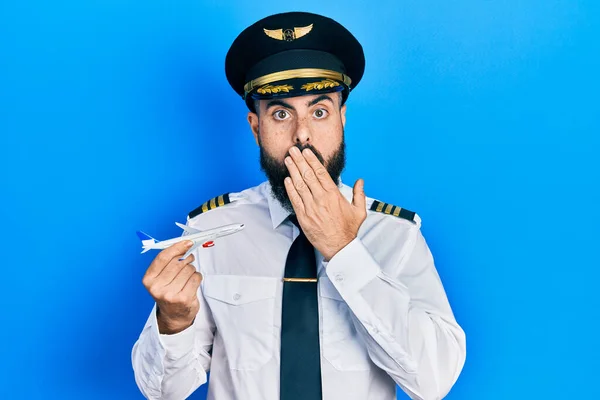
(294, 197)
(164, 257)
(181, 279)
(193, 283)
(299, 183)
(319, 169)
(306, 172)
(358, 195)
(169, 273)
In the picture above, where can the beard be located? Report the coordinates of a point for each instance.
(276, 171)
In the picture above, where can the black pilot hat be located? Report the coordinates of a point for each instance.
(294, 54)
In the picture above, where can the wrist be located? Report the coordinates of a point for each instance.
(330, 254)
(169, 326)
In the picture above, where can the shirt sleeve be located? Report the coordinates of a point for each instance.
(173, 366)
(402, 313)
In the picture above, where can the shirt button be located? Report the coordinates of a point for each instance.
(375, 330)
(236, 296)
(339, 277)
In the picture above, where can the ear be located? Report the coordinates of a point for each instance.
(253, 122)
(343, 115)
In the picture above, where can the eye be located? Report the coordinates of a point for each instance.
(320, 113)
(280, 115)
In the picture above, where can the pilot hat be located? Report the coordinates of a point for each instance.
(294, 54)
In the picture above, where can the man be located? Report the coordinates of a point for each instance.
(326, 293)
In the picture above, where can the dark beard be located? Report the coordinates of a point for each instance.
(276, 171)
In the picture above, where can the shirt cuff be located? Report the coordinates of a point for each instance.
(177, 344)
(351, 268)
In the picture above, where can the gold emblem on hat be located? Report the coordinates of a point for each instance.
(268, 89)
(288, 34)
(324, 84)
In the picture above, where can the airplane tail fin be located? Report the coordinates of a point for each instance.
(147, 241)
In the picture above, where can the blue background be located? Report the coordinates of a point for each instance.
(482, 116)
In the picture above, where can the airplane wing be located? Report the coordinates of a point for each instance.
(188, 229)
(196, 244)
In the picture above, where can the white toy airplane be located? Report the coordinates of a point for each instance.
(198, 237)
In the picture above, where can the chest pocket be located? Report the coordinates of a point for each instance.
(342, 345)
(243, 310)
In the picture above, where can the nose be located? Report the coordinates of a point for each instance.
(302, 135)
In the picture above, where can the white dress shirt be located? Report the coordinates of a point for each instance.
(383, 313)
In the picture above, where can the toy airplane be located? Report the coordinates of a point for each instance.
(198, 237)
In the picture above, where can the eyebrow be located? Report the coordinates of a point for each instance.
(319, 99)
(277, 102)
(281, 103)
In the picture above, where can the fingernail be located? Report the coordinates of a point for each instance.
(294, 150)
(306, 152)
(288, 160)
(288, 180)
(188, 243)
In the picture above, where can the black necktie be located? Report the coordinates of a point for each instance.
(300, 373)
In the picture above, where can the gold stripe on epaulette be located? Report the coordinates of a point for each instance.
(213, 203)
(391, 209)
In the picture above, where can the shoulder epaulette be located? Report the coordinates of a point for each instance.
(213, 203)
(391, 209)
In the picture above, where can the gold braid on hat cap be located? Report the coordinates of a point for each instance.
(296, 73)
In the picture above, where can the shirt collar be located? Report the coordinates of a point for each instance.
(279, 214)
